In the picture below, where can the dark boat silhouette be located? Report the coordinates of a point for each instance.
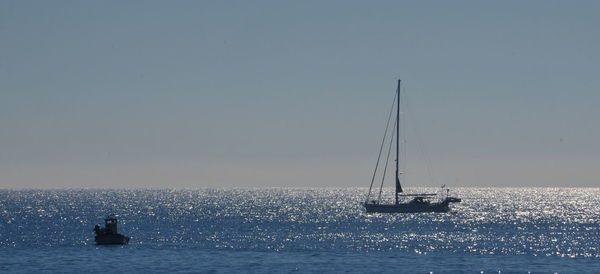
(416, 203)
(108, 235)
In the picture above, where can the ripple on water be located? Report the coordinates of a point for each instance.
(555, 222)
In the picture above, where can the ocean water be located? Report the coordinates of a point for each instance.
(314, 230)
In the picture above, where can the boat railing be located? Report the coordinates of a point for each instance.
(417, 195)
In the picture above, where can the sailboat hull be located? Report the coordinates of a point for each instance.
(411, 207)
(406, 208)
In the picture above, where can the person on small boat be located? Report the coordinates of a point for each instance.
(99, 230)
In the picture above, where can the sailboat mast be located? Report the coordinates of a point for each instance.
(398, 186)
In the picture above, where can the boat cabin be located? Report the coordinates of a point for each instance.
(110, 226)
(419, 200)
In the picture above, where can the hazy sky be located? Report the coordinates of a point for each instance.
(296, 93)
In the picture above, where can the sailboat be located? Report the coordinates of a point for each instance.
(404, 203)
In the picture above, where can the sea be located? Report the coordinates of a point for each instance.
(299, 230)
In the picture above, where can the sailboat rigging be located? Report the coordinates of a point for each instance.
(420, 202)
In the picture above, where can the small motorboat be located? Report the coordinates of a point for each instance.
(108, 234)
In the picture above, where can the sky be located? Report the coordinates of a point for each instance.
(197, 94)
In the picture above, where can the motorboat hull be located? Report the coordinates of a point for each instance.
(112, 239)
